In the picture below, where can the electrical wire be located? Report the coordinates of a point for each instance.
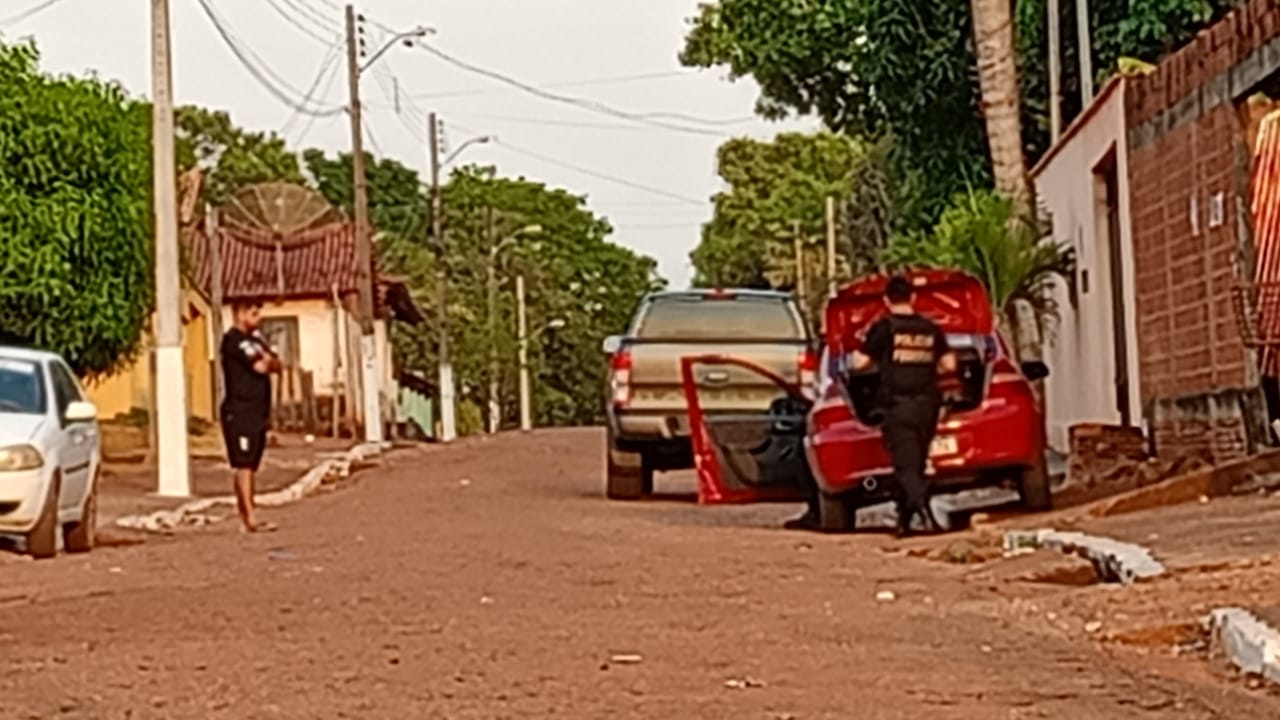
(305, 29)
(311, 119)
(316, 17)
(277, 86)
(591, 82)
(623, 182)
(29, 13)
(327, 66)
(584, 104)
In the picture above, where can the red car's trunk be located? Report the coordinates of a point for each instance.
(954, 300)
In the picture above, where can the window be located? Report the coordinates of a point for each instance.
(65, 389)
(742, 317)
(22, 388)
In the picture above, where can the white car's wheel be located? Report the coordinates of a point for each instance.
(78, 537)
(42, 540)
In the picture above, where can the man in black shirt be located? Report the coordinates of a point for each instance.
(247, 364)
(909, 350)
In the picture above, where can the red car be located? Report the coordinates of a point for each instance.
(991, 431)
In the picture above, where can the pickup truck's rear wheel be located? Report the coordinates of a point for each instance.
(1034, 490)
(836, 513)
(627, 476)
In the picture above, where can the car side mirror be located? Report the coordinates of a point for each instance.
(1035, 370)
(81, 411)
(612, 344)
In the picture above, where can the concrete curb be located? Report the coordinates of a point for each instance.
(195, 512)
(1113, 561)
(1250, 644)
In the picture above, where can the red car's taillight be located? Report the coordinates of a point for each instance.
(620, 378)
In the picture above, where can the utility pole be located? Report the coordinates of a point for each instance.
(522, 330)
(1055, 71)
(831, 246)
(215, 281)
(370, 392)
(491, 292)
(448, 428)
(802, 295)
(170, 387)
(1086, 53)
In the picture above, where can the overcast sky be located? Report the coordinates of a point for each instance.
(618, 52)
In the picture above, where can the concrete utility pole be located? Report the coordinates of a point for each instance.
(1055, 70)
(831, 246)
(170, 387)
(370, 390)
(448, 427)
(802, 294)
(522, 332)
(491, 317)
(1086, 53)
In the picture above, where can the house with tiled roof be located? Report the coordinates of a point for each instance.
(304, 271)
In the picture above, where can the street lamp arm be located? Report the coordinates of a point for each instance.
(480, 140)
(406, 37)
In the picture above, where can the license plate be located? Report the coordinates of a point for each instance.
(944, 445)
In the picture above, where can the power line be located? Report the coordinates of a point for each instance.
(29, 13)
(603, 176)
(590, 105)
(590, 82)
(548, 122)
(317, 18)
(327, 66)
(308, 30)
(266, 77)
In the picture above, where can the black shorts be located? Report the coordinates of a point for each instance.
(244, 447)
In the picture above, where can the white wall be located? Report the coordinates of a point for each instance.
(1081, 348)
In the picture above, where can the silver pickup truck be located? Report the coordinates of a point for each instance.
(646, 407)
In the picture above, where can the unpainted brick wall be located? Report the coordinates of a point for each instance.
(1186, 154)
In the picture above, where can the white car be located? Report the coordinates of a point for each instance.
(50, 453)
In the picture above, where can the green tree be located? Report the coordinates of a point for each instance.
(231, 156)
(398, 201)
(1011, 252)
(75, 214)
(573, 274)
(777, 191)
(907, 66)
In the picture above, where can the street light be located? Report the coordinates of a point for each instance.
(478, 140)
(448, 428)
(522, 327)
(495, 407)
(406, 37)
(371, 391)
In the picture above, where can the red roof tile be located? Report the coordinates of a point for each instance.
(259, 265)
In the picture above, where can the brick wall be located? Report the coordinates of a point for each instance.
(1188, 171)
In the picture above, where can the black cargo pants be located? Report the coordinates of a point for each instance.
(910, 424)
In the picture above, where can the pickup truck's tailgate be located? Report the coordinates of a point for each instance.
(656, 382)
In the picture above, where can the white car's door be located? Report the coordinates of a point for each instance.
(77, 441)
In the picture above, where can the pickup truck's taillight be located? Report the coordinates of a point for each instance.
(620, 378)
(807, 364)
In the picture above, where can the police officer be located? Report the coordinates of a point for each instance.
(909, 350)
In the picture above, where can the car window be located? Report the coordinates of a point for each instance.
(22, 387)
(696, 317)
(65, 390)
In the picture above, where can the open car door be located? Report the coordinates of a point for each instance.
(745, 456)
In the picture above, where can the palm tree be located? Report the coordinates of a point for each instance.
(1009, 250)
(1001, 101)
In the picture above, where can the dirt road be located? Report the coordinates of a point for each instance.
(489, 580)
